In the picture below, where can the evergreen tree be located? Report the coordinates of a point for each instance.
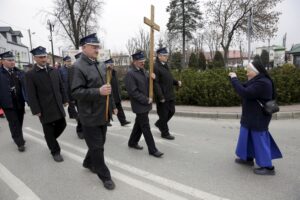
(193, 61)
(265, 59)
(175, 60)
(201, 61)
(185, 17)
(218, 60)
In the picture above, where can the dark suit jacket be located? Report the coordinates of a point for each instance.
(87, 79)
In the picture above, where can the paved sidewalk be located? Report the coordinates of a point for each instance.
(286, 112)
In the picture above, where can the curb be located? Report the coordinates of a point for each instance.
(218, 115)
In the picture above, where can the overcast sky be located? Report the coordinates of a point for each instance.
(121, 20)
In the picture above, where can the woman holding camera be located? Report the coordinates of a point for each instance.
(255, 140)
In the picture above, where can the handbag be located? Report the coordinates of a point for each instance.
(269, 107)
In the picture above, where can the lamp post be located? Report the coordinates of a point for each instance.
(51, 28)
(30, 41)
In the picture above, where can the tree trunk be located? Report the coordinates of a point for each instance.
(183, 36)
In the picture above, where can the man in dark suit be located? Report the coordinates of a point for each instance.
(164, 89)
(137, 86)
(46, 97)
(90, 90)
(116, 91)
(12, 97)
(66, 73)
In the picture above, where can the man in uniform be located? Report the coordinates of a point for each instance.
(165, 97)
(66, 73)
(137, 86)
(90, 90)
(116, 91)
(12, 97)
(46, 97)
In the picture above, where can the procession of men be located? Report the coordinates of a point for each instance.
(91, 94)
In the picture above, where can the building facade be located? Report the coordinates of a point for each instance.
(10, 40)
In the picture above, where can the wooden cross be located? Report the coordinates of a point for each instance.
(150, 22)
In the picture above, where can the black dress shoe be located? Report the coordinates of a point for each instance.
(156, 124)
(125, 123)
(264, 171)
(108, 124)
(80, 135)
(21, 148)
(157, 154)
(244, 162)
(57, 157)
(109, 184)
(136, 146)
(168, 137)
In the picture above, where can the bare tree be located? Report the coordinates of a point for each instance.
(140, 42)
(212, 39)
(230, 16)
(77, 18)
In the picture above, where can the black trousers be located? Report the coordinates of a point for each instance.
(95, 139)
(121, 115)
(52, 131)
(15, 121)
(72, 110)
(141, 126)
(165, 112)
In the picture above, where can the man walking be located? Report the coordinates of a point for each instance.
(12, 97)
(46, 97)
(90, 90)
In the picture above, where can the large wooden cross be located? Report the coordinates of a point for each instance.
(150, 22)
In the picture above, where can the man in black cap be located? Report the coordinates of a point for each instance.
(137, 86)
(90, 90)
(116, 91)
(46, 97)
(164, 89)
(66, 73)
(12, 97)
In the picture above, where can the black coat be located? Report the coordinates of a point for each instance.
(164, 82)
(46, 93)
(259, 88)
(6, 100)
(87, 79)
(137, 86)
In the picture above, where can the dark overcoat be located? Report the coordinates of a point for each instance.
(137, 86)
(46, 93)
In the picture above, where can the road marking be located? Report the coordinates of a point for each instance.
(148, 175)
(24, 192)
(155, 191)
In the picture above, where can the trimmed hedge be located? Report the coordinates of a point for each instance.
(213, 88)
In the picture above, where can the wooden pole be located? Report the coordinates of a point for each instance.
(108, 78)
(150, 22)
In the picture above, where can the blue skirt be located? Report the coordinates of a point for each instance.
(259, 145)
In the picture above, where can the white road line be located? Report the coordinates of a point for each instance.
(148, 175)
(155, 191)
(24, 192)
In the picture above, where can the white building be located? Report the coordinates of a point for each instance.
(10, 40)
(276, 54)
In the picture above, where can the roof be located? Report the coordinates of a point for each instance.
(295, 49)
(17, 33)
(5, 29)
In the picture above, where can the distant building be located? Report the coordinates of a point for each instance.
(276, 54)
(295, 55)
(10, 40)
(235, 57)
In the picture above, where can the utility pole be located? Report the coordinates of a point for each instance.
(250, 31)
(51, 28)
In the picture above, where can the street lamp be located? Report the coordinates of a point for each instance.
(29, 33)
(51, 28)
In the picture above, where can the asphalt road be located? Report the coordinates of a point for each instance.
(198, 164)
